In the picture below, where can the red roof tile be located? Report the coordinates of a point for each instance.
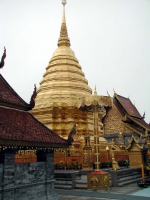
(140, 122)
(18, 125)
(9, 97)
(128, 106)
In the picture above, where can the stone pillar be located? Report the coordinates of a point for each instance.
(8, 175)
(1, 172)
(50, 192)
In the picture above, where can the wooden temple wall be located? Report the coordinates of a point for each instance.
(104, 157)
(24, 156)
(68, 159)
(118, 155)
(25, 159)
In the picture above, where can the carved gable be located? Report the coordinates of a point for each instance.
(113, 123)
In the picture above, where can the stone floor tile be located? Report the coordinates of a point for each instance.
(144, 192)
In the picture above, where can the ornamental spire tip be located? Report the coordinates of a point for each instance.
(64, 2)
(63, 39)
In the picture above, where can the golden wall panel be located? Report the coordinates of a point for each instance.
(98, 180)
(135, 159)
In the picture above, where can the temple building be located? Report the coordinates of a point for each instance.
(22, 132)
(124, 117)
(63, 89)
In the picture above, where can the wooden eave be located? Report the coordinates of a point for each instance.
(134, 129)
(30, 145)
(136, 121)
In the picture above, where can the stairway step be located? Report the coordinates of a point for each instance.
(62, 186)
(128, 182)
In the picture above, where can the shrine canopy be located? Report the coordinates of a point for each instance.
(18, 128)
(131, 116)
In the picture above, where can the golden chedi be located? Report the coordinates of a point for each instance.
(58, 97)
(56, 104)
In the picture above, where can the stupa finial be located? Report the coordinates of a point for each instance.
(64, 2)
(95, 92)
(63, 39)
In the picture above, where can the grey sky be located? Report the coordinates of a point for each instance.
(110, 38)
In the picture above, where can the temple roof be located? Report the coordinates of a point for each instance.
(127, 106)
(8, 97)
(130, 115)
(19, 127)
(141, 122)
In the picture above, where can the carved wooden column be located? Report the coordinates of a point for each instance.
(87, 154)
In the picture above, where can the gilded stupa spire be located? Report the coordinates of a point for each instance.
(95, 92)
(63, 39)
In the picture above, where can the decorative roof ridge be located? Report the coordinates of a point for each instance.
(122, 97)
(115, 107)
(27, 106)
(131, 140)
(120, 105)
(139, 142)
(12, 108)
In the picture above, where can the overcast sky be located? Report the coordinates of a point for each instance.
(110, 38)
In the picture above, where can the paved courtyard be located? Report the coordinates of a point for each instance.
(129, 192)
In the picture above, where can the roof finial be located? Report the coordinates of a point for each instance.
(114, 91)
(3, 58)
(32, 101)
(144, 115)
(108, 93)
